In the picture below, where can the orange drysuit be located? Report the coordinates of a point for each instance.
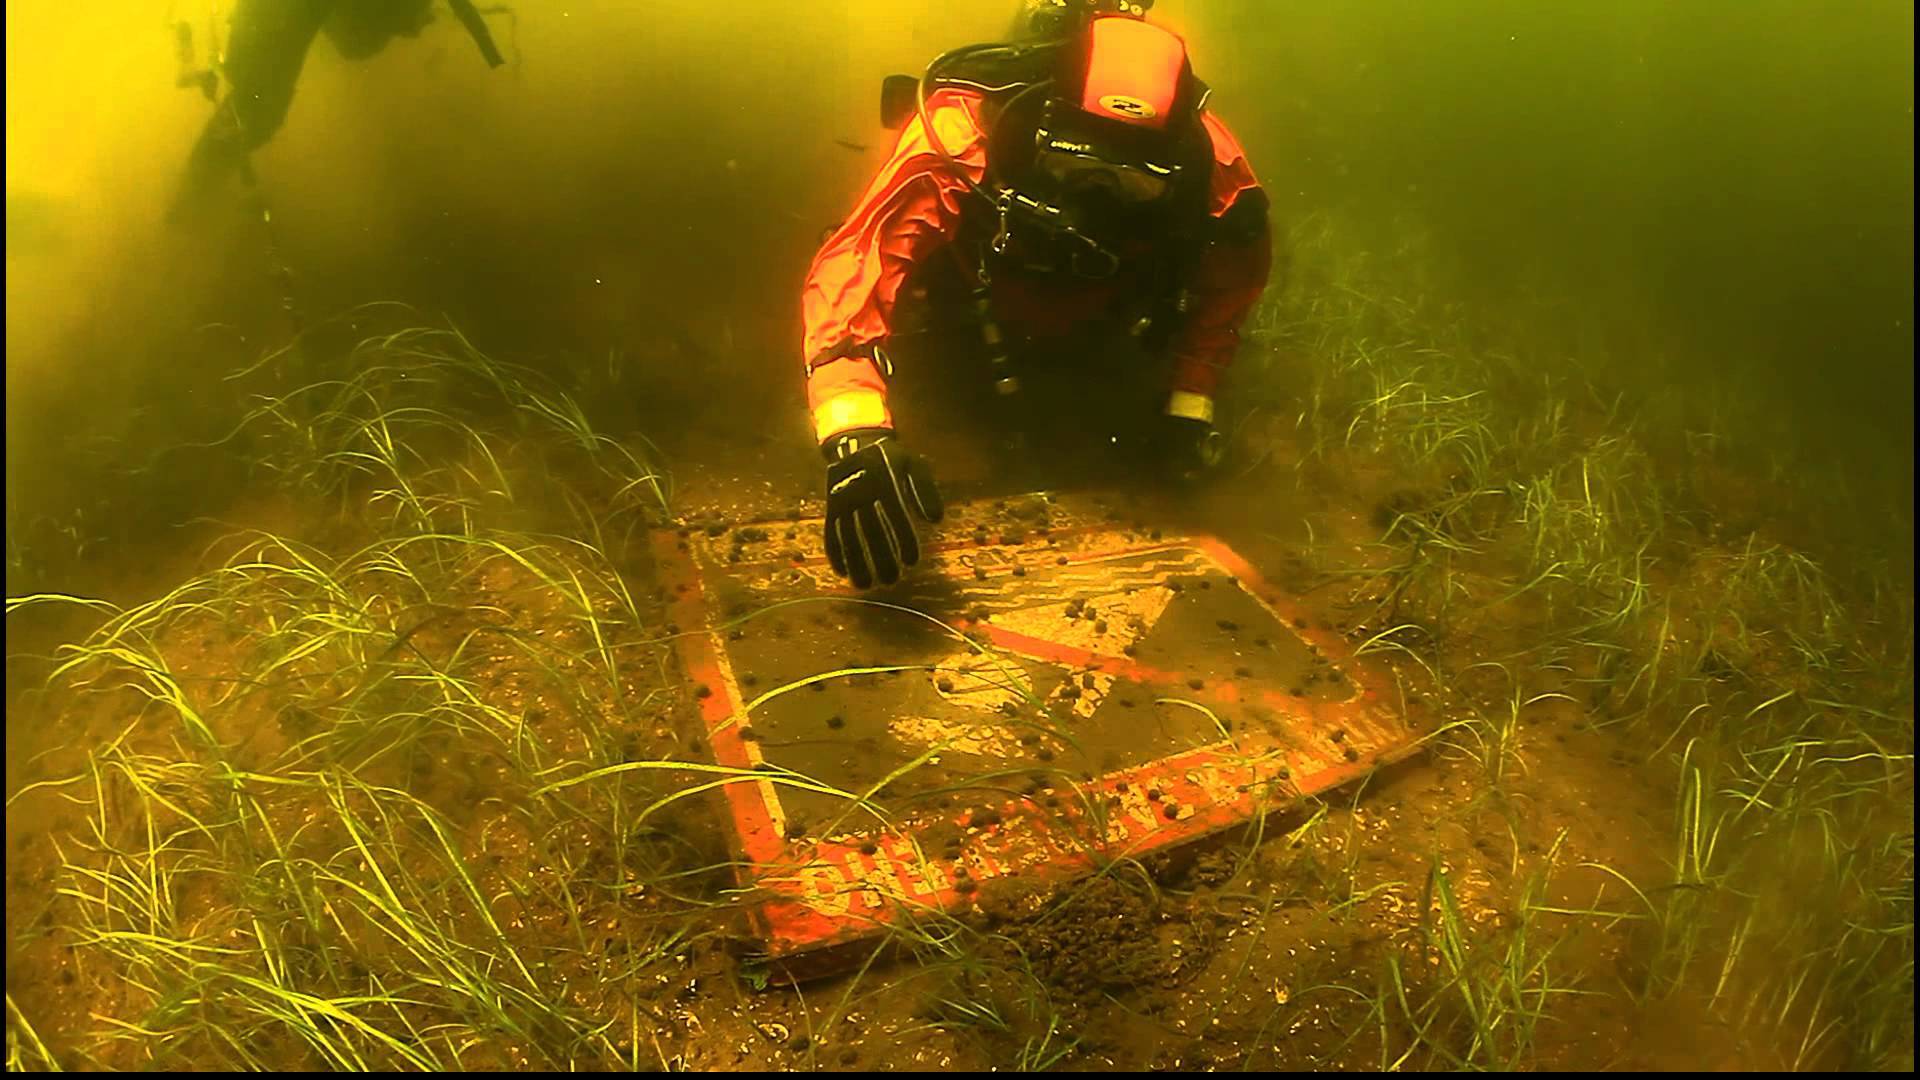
(914, 206)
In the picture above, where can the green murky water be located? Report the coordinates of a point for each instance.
(348, 721)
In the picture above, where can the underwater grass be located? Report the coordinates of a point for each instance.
(416, 422)
(303, 904)
(1561, 509)
(254, 871)
(202, 820)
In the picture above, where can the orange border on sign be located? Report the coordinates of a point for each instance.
(823, 893)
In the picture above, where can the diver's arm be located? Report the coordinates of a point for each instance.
(1231, 274)
(909, 210)
(875, 489)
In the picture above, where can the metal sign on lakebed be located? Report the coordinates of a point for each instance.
(1048, 690)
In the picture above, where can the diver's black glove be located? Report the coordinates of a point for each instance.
(871, 486)
(1189, 449)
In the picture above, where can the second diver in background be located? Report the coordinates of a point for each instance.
(266, 48)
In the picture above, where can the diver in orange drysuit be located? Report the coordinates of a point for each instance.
(1081, 182)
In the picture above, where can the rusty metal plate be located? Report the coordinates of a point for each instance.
(1048, 690)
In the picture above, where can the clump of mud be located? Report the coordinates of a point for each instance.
(1109, 936)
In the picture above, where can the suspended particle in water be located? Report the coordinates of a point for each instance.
(703, 691)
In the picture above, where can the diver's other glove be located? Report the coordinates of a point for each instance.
(874, 490)
(1190, 446)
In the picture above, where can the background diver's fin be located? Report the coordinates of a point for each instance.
(470, 18)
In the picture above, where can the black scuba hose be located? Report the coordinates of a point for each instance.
(1047, 216)
(926, 122)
